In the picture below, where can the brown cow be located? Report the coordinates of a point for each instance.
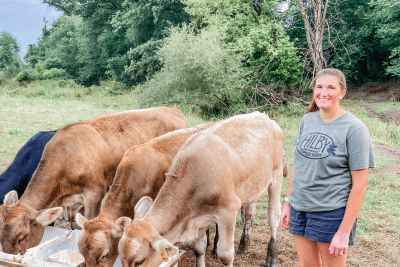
(141, 172)
(216, 172)
(76, 169)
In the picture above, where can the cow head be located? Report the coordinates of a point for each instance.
(141, 245)
(23, 226)
(98, 243)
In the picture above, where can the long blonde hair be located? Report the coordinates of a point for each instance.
(334, 72)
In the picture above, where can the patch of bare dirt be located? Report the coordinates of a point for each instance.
(378, 92)
(393, 115)
(391, 153)
(257, 253)
(375, 92)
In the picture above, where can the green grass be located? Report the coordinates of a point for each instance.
(379, 218)
(381, 110)
(384, 133)
(381, 162)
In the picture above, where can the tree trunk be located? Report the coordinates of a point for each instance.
(315, 35)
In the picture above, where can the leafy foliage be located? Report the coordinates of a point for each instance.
(198, 72)
(356, 37)
(386, 16)
(98, 40)
(143, 23)
(252, 31)
(144, 61)
(41, 73)
(9, 49)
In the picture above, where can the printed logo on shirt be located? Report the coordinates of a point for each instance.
(316, 146)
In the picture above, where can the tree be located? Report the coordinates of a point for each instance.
(106, 40)
(143, 23)
(386, 17)
(37, 52)
(9, 50)
(349, 42)
(66, 6)
(315, 34)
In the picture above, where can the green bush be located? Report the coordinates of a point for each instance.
(41, 73)
(25, 76)
(110, 87)
(54, 73)
(198, 71)
(292, 109)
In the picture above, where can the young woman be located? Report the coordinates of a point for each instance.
(332, 157)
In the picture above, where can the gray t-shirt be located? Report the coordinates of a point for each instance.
(324, 155)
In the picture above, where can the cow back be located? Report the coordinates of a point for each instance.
(87, 153)
(235, 157)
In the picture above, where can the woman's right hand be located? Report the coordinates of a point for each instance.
(285, 215)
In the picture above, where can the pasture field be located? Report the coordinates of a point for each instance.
(378, 230)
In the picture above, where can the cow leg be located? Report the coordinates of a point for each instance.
(226, 229)
(200, 247)
(216, 237)
(208, 237)
(249, 215)
(274, 211)
(242, 215)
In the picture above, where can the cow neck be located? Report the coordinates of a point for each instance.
(104, 218)
(115, 208)
(170, 208)
(123, 194)
(42, 190)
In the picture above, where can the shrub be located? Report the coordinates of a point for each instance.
(198, 71)
(110, 87)
(54, 73)
(41, 73)
(25, 76)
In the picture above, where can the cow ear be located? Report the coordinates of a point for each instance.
(47, 216)
(11, 198)
(142, 207)
(119, 226)
(80, 219)
(2, 207)
(163, 245)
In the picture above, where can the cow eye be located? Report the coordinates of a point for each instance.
(21, 239)
(139, 263)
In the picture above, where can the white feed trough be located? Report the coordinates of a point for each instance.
(59, 247)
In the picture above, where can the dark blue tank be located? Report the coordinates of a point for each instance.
(19, 173)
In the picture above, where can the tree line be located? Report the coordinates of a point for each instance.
(211, 53)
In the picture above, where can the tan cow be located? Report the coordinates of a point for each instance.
(229, 165)
(141, 172)
(76, 169)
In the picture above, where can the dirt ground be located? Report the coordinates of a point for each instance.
(365, 252)
(378, 92)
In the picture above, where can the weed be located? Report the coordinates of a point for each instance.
(381, 110)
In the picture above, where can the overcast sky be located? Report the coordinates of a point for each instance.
(24, 20)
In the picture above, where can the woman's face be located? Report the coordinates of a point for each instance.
(327, 92)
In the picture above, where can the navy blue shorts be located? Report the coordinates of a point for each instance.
(319, 226)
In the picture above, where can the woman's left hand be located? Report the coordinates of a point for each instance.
(339, 244)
